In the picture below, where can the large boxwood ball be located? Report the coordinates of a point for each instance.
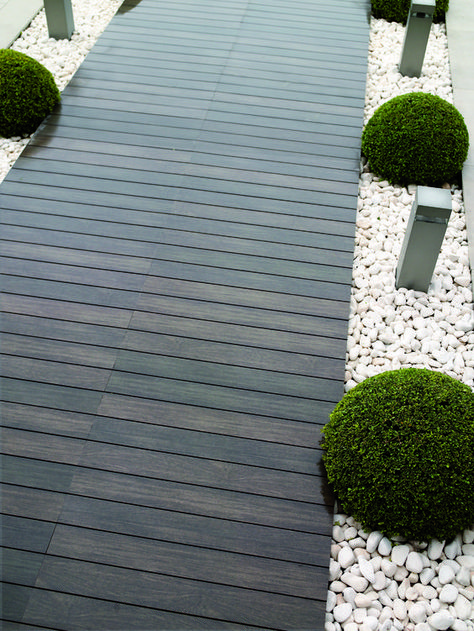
(28, 93)
(399, 452)
(416, 138)
(397, 10)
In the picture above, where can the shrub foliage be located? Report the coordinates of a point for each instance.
(416, 138)
(399, 452)
(397, 10)
(28, 93)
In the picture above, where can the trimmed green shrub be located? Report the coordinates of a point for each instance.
(397, 10)
(28, 93)
(416, 138)
(399, 452)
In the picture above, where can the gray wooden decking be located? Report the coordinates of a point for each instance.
(177, 252)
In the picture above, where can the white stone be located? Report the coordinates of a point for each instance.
(388, 568)
(349, 594)
(331, 601)
(414, 562)
(466, 561)
(441, 620)
(334, 570)
(446, 573)
(342, 612)
(373, 541)
(350, 533)
(380, 581)
(351, 626)
(385, 547)
(453, 549)
(346, 557)
(463, 577)
(448, 594)
(399, 609)
(363, 601)
(400, 554)
(359, 614)
(463, 608)
(435, 549)
(338, 533)
(426, 575)
(359, 583)
(366, 569)
(417, 612)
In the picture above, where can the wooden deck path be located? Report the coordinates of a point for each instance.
(177, 252)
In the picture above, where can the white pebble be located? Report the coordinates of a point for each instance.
(414, 562)
(400, 554)
(373, 541)
(441, 620)
(342, 612)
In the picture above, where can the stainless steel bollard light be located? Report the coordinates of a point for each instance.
(59, 18)
(427, 224)
(416, 37)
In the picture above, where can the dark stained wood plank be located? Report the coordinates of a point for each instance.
(106, 320)
(301, 234)
(223, 397)
(20, 566)
(37, 474)
(207, 445)
(189, 498)
(218, 602)
(46, 420)
(33, 535)
(60, 373)
(262, 309)
(233, 354)
(201, 419)
(200, 471)
(173, 559)
(26, 444)
(93, 337)
(76, 613)
(31, 503)
(171, 526)
(57, 351)
(204, 372)
(49, 395)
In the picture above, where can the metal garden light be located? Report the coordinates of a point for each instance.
(423, 238)
(416, 37)
(59, 18)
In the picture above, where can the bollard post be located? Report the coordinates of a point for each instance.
(423, 238)
(416, 37)
(59, 18)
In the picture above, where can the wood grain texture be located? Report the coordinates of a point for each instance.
(177, 244)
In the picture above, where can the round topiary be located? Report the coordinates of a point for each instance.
(399, 452)
(416, 138)
(397, 10)
(28, 93)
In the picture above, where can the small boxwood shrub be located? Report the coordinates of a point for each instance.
(399, 452)
(397, 10)
(28, 93)
(416, 138)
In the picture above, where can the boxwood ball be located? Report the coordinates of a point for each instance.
(28, 93)
(397, 10)
(416, 138)
(399, 452)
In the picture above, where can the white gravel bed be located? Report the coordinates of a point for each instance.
(377, 584)
(61, 57)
